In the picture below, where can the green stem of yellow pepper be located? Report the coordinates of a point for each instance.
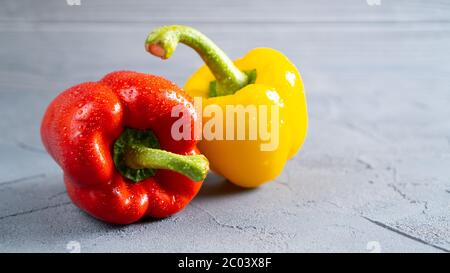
(163, 41)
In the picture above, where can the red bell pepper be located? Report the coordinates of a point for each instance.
(113, 140)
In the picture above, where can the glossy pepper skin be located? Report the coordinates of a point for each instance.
(242, 161)
(80, 127)
(278, 83)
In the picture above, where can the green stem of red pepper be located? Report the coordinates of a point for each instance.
(137, 155)
(163, 41)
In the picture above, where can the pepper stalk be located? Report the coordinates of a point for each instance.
(163, 41)
(137, 155)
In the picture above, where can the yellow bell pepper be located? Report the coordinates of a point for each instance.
(263, 77)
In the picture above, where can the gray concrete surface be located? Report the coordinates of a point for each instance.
(373, 175)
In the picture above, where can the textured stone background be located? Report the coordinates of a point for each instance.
(374, 173)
